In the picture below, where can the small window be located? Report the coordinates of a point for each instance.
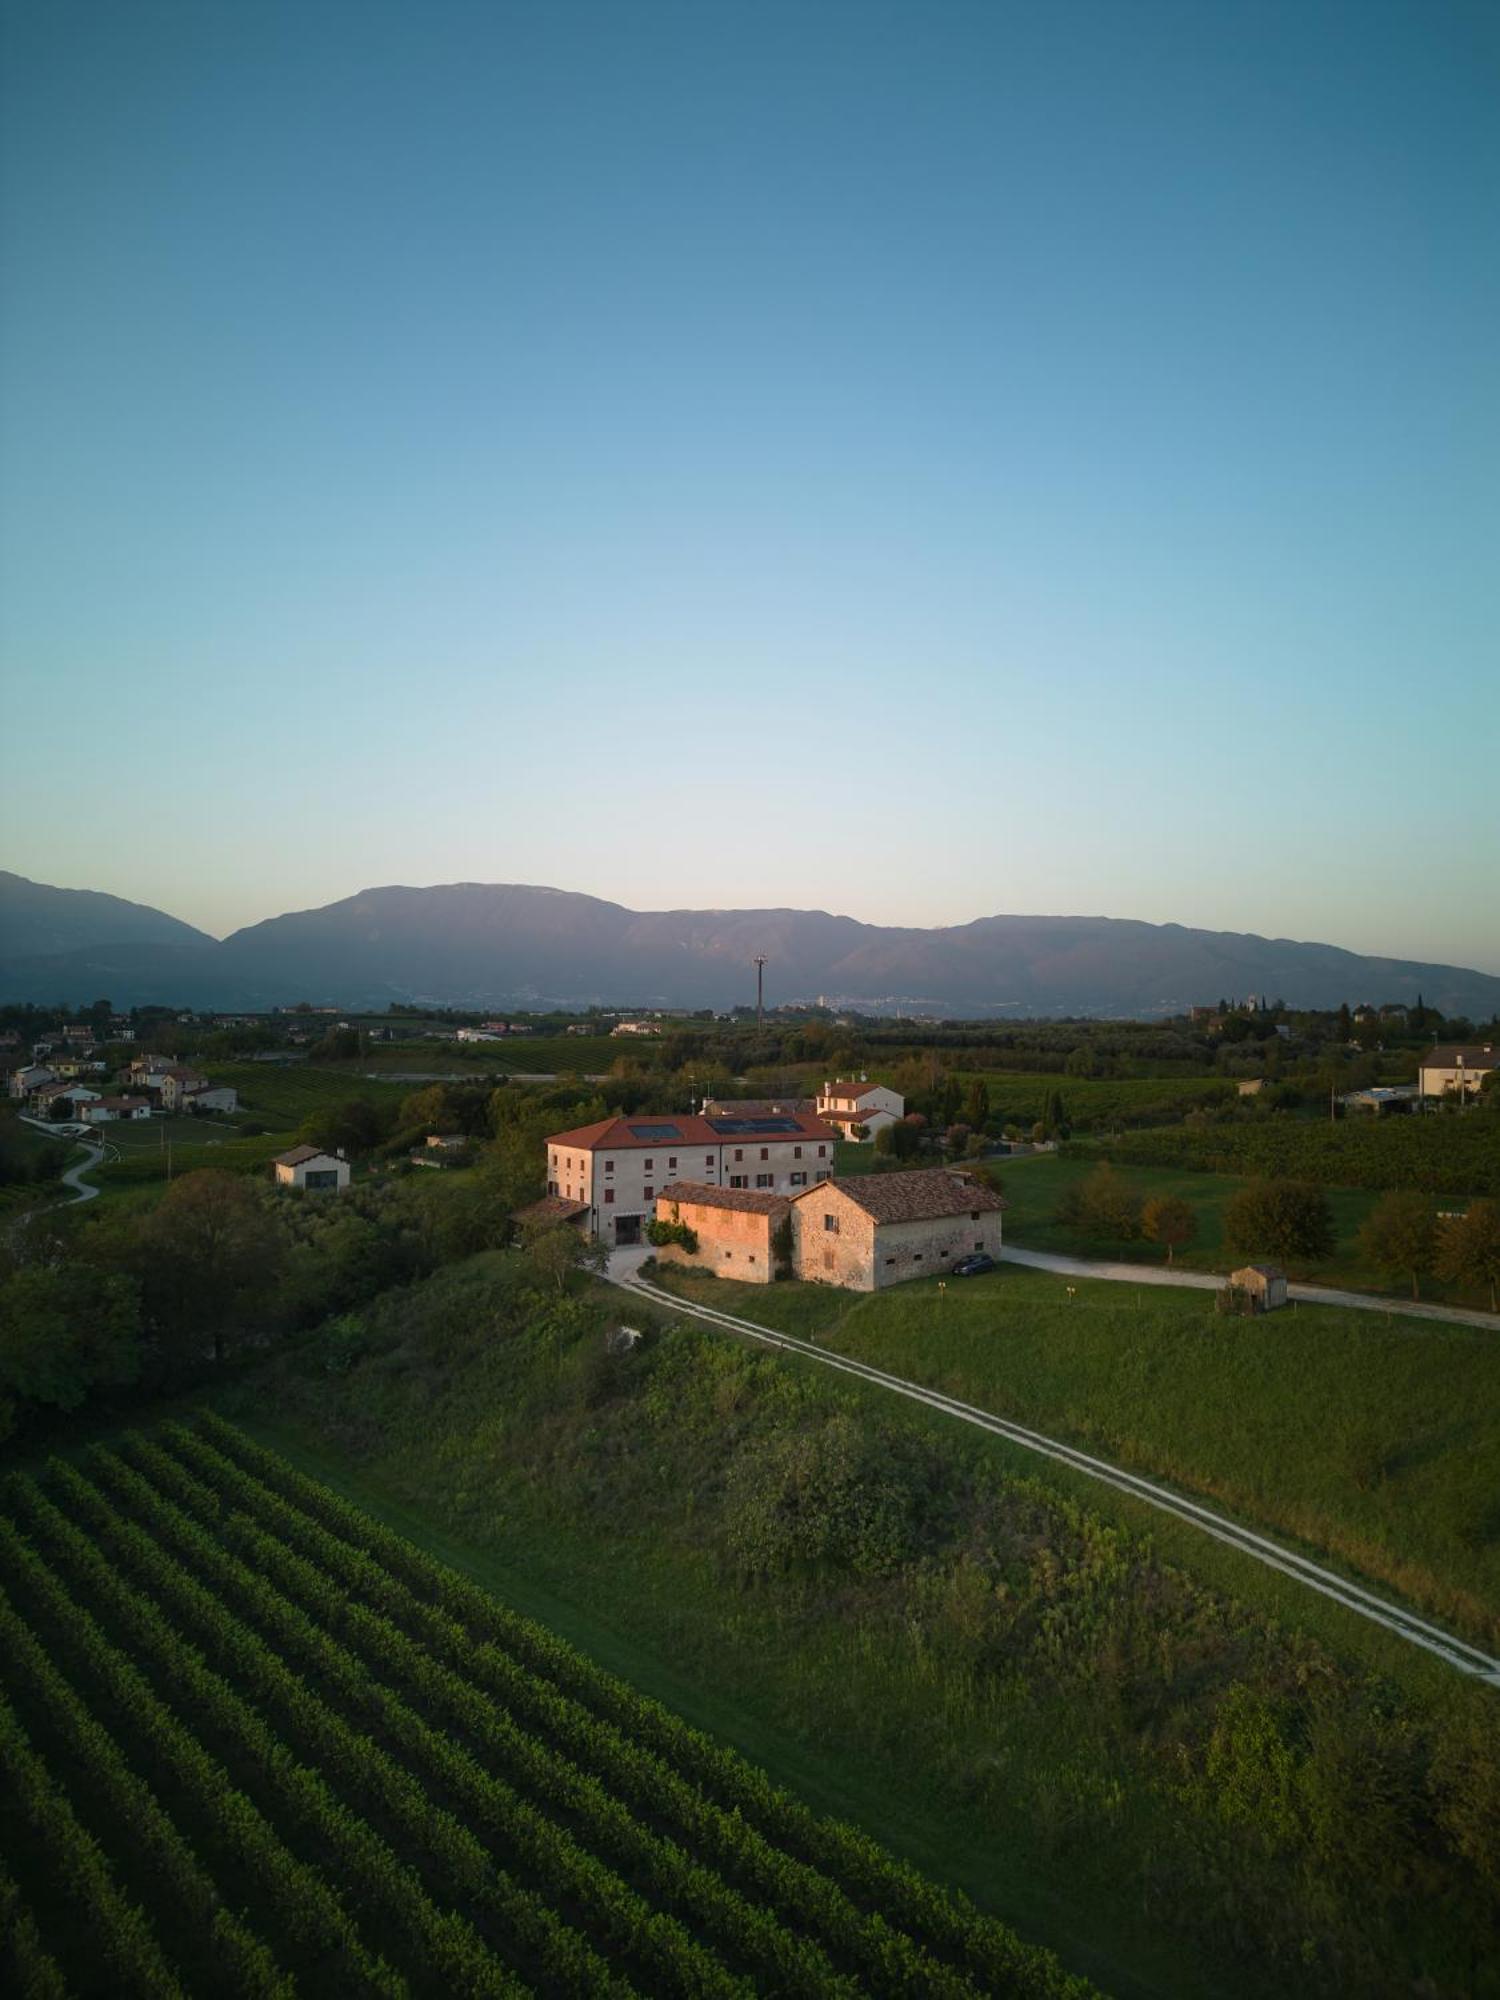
(609, 1166)
(822, 1152)
(609, 1195)
(798, 1180)
(750, 1257)
(672, 1165)
(739, 1180)
(823, 1174)
(890, 1260)
(727, 1255)
(796, 1152)
(917, 1257)
(831, 1224)
(978, 1242)
(765, 1152)
(973, 1215)
(739, 1152)
(708, 1159)
(765, 1180)
(650, 1192)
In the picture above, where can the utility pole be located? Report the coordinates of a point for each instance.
(760, 991)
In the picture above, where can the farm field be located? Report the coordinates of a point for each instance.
(195, 1142)
(528, 1055)
(443, 1795)
(1441, 1155)
(1375, 1441)
(281, 1097)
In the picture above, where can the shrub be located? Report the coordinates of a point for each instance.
(662, 1233)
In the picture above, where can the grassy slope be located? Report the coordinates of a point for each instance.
(1039, 1780)
(1375, 1441)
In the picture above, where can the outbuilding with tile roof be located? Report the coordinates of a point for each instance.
(866, 1231)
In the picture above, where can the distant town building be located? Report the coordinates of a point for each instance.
(105, 1110)
(310, 1168)
(1460, 1067)
(636, 1028)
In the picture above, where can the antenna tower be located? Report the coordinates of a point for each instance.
(760, 992)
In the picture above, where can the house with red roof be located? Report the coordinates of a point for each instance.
(617, 1166)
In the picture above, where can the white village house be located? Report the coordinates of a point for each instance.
(1460, 1067)
(858, 1107)
(105, 1110)
(309, 1167)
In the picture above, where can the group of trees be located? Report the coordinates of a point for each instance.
(1403, 1237)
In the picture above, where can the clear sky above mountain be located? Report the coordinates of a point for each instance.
(918, 460)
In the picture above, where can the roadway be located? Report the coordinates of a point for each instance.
(624, 1271)
(1202, 1281)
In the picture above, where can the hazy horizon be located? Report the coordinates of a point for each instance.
(1477, 964)
(918, 462)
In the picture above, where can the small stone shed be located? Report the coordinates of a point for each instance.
(1263, 1284)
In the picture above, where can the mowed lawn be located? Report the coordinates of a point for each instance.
(1373, 1440)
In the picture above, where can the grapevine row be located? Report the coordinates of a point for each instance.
(989, 1949)
(676, 1962)
(249, 1967)
(30, 1969)
(124, 1936)
(445, 1940)
(802, 1893)
(303, 1900)
(796, 1964)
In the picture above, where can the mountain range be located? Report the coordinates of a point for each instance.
(497, 944)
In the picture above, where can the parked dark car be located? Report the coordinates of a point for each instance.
(971, 1267)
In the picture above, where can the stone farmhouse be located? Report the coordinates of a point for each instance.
(867, 1231)
(862, 1231)
(858, 1107)
(1457, 1066)
(617, 1166)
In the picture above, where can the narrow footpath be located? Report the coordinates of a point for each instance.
(1204, 1281)
(624, 1271)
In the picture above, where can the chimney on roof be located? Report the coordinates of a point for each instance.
(339, 1152)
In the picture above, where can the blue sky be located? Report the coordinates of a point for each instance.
(920, 460)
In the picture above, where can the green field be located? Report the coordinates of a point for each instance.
(1446, 1155)
(442, 1796)
(1371, 1439)
(1020, 1098)
(527, 1055)
(281, 1097)
(1025, 1683)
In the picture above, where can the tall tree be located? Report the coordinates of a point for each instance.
(211, 1254)
(1400, 1237)
(1469, 1248)
(1286, 1219)
(1168, 1219)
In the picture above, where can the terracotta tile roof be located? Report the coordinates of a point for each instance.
(925, 1195)
(855, 1117)
(756, 1201)
(298, 1154)
(551, 1208)
(1472, 1054)
(661, 1131)
(851, 1087)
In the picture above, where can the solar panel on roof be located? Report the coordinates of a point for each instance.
(651, 1133)
(744, 1128)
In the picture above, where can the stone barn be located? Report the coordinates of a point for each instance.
(734, 1228)
(867, 1231)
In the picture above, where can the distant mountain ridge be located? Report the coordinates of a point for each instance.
(505, 944)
